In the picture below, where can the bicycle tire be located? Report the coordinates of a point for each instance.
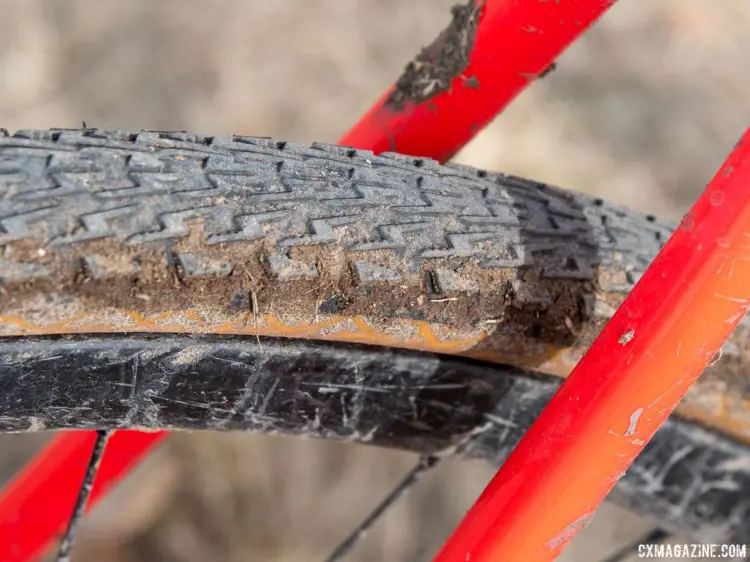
(114, 233)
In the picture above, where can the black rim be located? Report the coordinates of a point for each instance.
(690, 478)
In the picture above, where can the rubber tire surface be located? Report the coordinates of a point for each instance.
(165, 232)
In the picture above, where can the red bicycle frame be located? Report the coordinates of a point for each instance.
(609, 407)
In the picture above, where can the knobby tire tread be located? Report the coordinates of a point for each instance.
(115, 232)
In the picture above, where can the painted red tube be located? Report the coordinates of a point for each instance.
(37, 504)
(516, 41)
(642, 364)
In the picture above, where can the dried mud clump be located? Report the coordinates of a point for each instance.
(434, 69)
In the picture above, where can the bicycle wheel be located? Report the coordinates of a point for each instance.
(167, 280)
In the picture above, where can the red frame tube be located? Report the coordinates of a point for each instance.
(648, 355)
(516, 41)
(38, 503)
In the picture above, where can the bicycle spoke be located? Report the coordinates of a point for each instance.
(66, 544)
(425, 464)
(361, 530)
(631, 549)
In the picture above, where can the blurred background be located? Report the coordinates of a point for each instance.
(641, 111)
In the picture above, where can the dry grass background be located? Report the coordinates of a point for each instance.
(641, 111)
